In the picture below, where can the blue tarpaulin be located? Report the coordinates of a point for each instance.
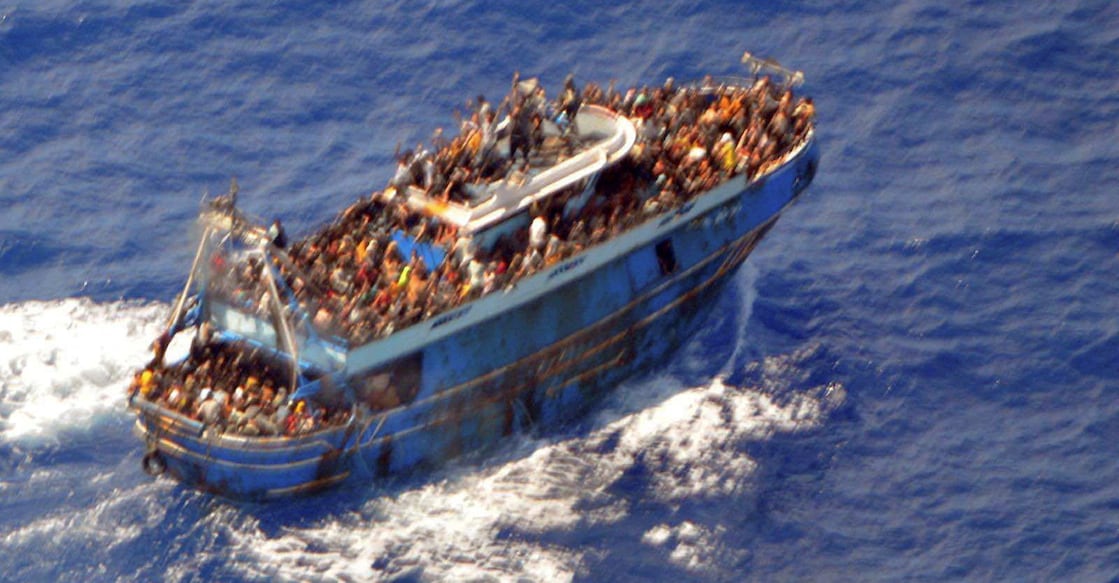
(432, 255)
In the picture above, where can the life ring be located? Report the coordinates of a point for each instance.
(153, 464)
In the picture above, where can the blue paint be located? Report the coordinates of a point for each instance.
(537, 355)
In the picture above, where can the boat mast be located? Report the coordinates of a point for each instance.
(283, 326)
(177, 313)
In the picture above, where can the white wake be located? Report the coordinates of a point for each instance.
(689, 445)
(66, 364)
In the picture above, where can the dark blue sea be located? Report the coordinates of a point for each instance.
(913, 378)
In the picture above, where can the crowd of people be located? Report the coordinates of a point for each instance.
(358, 285)
(233, 389)
(355, 283)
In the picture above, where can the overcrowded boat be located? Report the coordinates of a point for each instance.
(504, 280)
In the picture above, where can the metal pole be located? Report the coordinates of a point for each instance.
(283, 327)
(177, 314)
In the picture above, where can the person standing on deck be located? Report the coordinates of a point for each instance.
(538, 233)
(519, 131)
(569, 104)
(276, 234)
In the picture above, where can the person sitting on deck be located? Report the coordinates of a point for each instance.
(209, 410)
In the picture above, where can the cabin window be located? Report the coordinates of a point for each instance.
(392, 385)
(666, 256)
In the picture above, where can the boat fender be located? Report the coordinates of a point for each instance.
(153, 464)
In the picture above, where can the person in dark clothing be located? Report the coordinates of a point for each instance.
(159, 348)
(569, 103)
(277, 235)
(519, 133)
(535, 133)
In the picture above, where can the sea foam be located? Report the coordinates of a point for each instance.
(65, 364)
(493, 522)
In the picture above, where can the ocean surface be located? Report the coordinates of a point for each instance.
(913, 378)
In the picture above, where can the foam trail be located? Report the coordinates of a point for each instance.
(66, 363)
(689, 445)
(732, 312)
(745, 283)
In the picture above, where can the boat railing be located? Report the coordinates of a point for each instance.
(723, 82)
(759, 67)
(770, 66)
(172, 421)
(617, 143)
(555, 178)
(246, 228)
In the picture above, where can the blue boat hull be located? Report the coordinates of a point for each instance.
(511, 361)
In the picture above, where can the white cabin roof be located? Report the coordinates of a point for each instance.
(607, 137)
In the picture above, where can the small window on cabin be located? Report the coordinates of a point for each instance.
(666, 256)
(392, 385)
